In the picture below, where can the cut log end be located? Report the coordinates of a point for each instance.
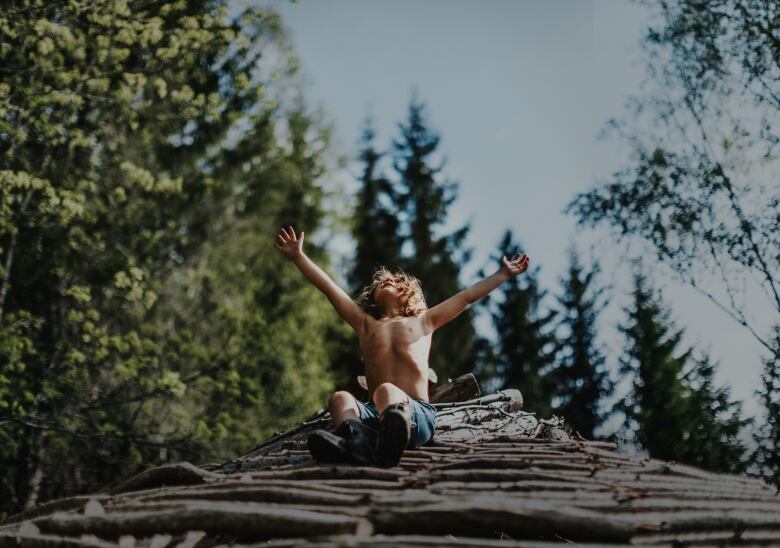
(461, 389)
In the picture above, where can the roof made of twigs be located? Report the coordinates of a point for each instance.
(492, 476)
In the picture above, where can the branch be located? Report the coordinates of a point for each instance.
(740, 321)
(745, 225)
(41, 424)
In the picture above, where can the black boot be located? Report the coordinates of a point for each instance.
(362, 441)
(352, 442)
(395, 430)
(327, 447)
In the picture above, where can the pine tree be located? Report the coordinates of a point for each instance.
(435, 259)
(657, 407)
(674, 409)
(581, 381)
(715, 420)
(526, 341)
(377, 226)
(767, 437)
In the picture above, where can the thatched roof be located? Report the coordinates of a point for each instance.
(492, 476)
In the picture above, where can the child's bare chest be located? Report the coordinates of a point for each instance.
(397, 335)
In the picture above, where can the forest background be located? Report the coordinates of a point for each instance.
(151, 150)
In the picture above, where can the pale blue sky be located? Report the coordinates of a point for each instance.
(518, 91)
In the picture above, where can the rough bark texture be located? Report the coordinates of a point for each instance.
(492, 476)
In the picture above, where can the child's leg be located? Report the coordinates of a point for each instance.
(423, 423)
(343, 406)
(388, 393)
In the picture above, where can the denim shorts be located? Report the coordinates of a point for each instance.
(423, 420)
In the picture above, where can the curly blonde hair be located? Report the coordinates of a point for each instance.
(412, 298)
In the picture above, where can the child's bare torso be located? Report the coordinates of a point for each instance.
(396, 350)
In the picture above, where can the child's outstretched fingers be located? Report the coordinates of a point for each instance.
(288, 242)
(517, 265)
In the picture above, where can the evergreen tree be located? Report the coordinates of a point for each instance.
(377, 226)
(767, 437)
(657, 407)
(487, 362)
(581, 381)
(675, 412)
(526, 340)
(435, 259)
(716, 422)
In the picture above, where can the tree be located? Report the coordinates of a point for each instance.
(118, 123)
(435, 259)
(673, 410)
(700, 187)
(714, 441)
(582, 383)
(767, 437)
(525, 349)
(377, 225)
(260, 336)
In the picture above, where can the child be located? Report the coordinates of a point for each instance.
(394, 328)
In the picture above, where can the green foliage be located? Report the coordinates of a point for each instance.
(526, 345)
(673, 409)
(130, 134)
(263, 342)
(700, 185)
(714, 441)
(581, 380)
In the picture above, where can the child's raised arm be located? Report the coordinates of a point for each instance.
(291, 245)
(447, 310)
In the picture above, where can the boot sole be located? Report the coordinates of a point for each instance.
(394, 435)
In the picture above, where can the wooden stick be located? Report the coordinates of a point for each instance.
(483, 515)
(332, 472)
(509, 395)
(260, 493)
(33, 540)
(182, 473)
(237, 520)
(69, 503)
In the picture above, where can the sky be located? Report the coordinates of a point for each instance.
(519, 92)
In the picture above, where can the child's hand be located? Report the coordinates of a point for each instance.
(517, 265)
(288, 243)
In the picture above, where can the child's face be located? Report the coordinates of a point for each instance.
(387, 290)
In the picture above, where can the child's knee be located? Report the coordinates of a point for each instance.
(342, 399)
(386, 389)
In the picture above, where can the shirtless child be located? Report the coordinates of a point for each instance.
(394, 328)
